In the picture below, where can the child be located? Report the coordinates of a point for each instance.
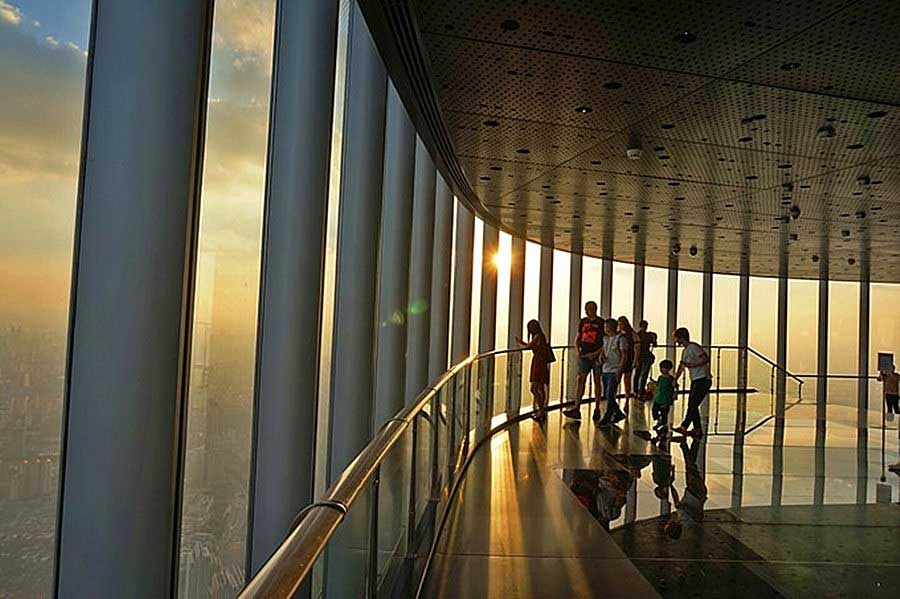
(664, 398)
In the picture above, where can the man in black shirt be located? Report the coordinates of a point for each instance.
(588, 344)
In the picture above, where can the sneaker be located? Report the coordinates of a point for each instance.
(596, 416)
(573, 413)
(680, 430)
(890, 416)
(696, 433)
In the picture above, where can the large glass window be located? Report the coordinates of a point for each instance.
(690, 302)
(884, 333)
(532, 283)
(623, 290)
(42, 73)
(477, 251)
(591, 269)
(764, 316)
(843, 342)
(559, 319)
(217, 463)
(656, 287)
(726, 301)
(803, 322)
(504, 267)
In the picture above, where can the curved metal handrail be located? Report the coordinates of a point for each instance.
(291, 563)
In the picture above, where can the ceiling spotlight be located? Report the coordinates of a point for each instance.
(693, 250)
(583, 109)
(635, 228)
(686, 37)
(676, 249)
(845, 233)
(794, 237)
(851, 261)
(860, 214)
(863, 180)
(825, 132)
(795, 212)
(815, 258)
(787, 186)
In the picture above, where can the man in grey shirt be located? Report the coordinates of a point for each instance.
(614, 347)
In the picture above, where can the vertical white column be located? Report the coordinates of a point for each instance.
(397, 288)
(606, 287)
(545, 296)
(862, 387)
(352, 390)
(420, 275)
(462, 287)
(439, 338)
(132, 290)
(291, 274)
(821, 385)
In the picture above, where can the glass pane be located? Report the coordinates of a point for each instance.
(42, 69)
(623, 290)
(591, 269)
(803, 319)
(393, 508)
(504, 266)
(559, 319)
(690, 303)
(843, 342)
(217, 463)
(347, 553)
(532, 285)
(726, 297)
(764, 316)
(476, 285)
(656, 287)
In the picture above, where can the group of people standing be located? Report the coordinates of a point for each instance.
(618, 355)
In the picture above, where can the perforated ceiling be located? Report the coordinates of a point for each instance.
(748, 114)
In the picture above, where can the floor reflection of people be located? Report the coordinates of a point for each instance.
(689, 506)
(604, 492)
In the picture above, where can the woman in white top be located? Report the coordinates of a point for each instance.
(696, 360)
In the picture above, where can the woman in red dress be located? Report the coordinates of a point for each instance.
(542, 355)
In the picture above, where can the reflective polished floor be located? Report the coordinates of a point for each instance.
(570, 510)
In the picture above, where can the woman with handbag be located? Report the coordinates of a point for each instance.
(542, 356)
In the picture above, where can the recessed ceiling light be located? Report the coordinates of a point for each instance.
(686, 37)
(491, 124)
(854, 146)
(523, 151)
(877, 114)
(583, 109)
(790, 66)
(509, 25)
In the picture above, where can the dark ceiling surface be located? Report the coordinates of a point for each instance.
(727, 101)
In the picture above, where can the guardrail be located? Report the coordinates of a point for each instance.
(388, 504)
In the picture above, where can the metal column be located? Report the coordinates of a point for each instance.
(419, 312)
(606, 287)
(781, 347)
(575, 277)
(639, 290)
(462, 285)
(545, 294)
(821, 386)
(132, 290)
(352, 390)
(706, 310)
(395, 284)
(516, 313)
(487, 330)
(862, 388)
(671, 311)
(740, 415)
(293, 252)
(439, 338)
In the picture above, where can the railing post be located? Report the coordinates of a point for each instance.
(411, 512)
(372, 567)
(436, 441)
